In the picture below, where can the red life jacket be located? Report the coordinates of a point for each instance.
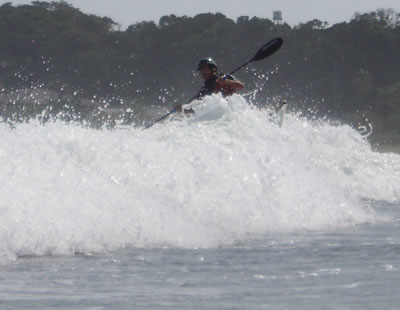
(211, 86)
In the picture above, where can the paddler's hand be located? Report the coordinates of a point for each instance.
(178, 108)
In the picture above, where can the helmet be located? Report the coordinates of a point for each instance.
(207, 62)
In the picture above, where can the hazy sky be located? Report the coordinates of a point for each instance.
(127, 12)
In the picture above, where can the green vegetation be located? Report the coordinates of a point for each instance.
(348, 71)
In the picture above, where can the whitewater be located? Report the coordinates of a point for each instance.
(222, 182)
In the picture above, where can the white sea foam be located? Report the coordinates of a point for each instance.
(224, 175)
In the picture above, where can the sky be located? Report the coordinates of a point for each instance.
(128, 12)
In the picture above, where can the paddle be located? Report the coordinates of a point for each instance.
(267, 50)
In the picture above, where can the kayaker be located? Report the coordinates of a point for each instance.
(213, 83)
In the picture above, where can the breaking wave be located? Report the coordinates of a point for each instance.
(222, 176)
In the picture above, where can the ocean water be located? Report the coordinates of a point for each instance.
(224, 210)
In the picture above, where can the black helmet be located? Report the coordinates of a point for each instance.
(207, 62)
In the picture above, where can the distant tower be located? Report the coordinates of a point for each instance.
(277, 16)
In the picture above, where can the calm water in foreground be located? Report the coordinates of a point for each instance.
(352, 268)
(224, 210)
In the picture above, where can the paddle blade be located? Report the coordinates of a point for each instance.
(268, 49)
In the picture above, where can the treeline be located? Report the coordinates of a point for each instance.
(349, 71)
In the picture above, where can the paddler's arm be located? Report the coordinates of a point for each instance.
(233, 84)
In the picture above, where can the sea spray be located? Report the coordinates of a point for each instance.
(222, 176)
